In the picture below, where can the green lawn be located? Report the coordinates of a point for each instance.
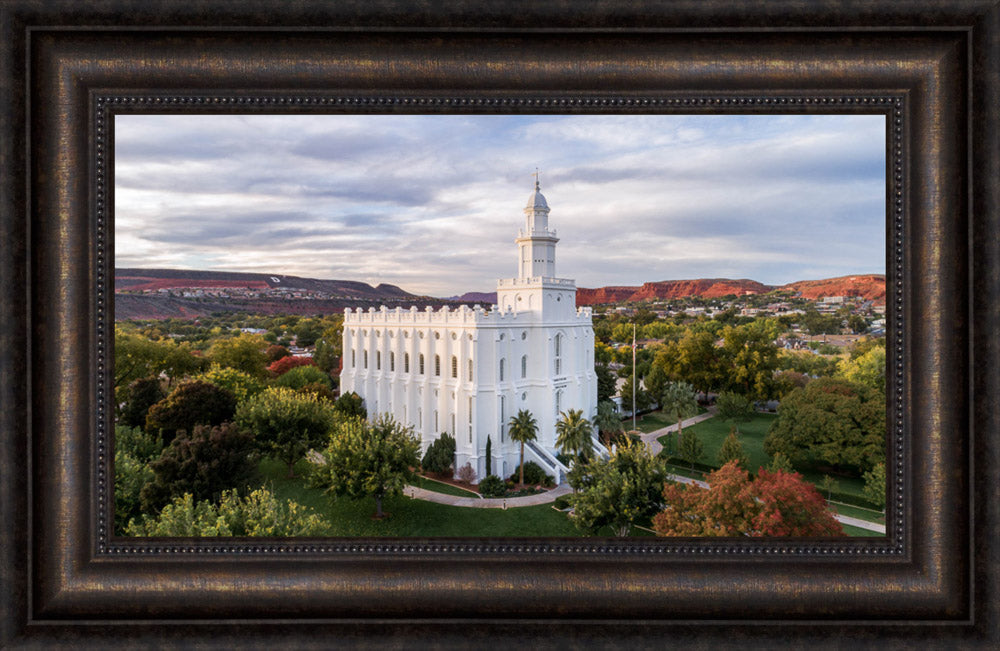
(714, 431)
(653, 421)
(442, 487)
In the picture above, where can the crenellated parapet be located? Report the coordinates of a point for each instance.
(462, 315)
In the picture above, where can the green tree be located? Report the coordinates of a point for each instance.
(867, 369)
(679, 401)
(574, 434)
(275, 352)
(734, 408)
(828, 484)
(523, 428)
(833, 421)
(694, 359)
(656, 381)
(258, 514)
(642, 399)
(138, 397)
(875, 487)
(286, 423)
(608, 421)
(368, 460)
(618, 491)
(489, 456)
(779, 462)
(301, 376)
(329, 347)
(192, 403)
(440, 455)
(241, 385)
(607, 383)
(203, 463)
(244, 353)
(857, 323)
(732, 450)
(690, 447)
(134, 449)
(350, 405)
(751, 358)
(137, 356)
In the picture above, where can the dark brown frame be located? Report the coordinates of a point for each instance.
(933, 68)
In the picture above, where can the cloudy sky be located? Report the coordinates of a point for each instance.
(433, 203)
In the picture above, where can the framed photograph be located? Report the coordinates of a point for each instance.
(131, 130)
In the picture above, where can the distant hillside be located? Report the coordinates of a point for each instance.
(867, 286)
(188, 293)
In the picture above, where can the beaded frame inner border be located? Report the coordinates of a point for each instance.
(105, 107)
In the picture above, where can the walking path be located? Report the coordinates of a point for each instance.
(650, 437)
(488, 503)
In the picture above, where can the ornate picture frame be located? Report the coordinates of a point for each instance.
(933, 75)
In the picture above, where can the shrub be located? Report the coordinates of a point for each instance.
(302, 376)
(134, 449)
(440, 455)
(320, 390)
(203, 463)
(350, 405)
(286, 364)
(467, 474)
(561, 503)
(533, 474)
(492, 486)
(192, 403)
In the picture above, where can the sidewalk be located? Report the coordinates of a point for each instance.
(488, 503)
(654, 445)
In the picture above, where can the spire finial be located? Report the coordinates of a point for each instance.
(536, 178)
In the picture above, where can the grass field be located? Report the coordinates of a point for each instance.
(714, 431)
(442, 487)
(653, 421)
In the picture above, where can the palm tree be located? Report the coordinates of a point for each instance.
(523, 428)
(680, 401)
(573, 434)
(607, 420)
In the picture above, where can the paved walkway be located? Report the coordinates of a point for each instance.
(488, 503)
(650, 437)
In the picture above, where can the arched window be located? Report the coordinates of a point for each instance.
(366, 359)
(454, 366)
(501, 370)
(436, 420)
(437, 365)
(392, 362)
(453, 426)
(558, 350)
(354, 361)
(421, 363)
(470, 370)
(406, 362)
(524, 366)
(558, 402)
(378, 360)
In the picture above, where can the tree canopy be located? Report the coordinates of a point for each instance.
(194, 402)
(365, 459)
(833, 421)
(245, 352)
(286, 423)
(618, 491)
(774, 504)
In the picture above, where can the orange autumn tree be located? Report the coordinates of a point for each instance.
(775, 504)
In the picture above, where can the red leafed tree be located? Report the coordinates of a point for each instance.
(775, 504)
(790, 506)
(286, 364)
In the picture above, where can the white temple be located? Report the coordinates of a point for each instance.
(468, 371)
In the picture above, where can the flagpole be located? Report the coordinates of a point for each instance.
(633, 377)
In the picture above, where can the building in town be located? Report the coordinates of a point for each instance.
(467, 371)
